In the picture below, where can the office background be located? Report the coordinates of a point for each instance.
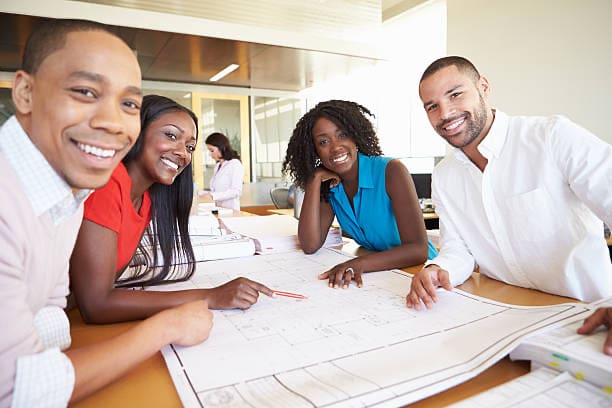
(541, 57)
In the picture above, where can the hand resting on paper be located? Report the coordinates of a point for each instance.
(240, 293)
(191, 321)
(424, 284)
(601, 316)
(342, 274)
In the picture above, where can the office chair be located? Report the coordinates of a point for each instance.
(280, 197)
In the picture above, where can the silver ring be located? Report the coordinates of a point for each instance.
(350, 270)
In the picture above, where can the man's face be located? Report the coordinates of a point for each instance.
(455, 105)
(83, 111)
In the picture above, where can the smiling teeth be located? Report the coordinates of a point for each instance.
(339, 159)
(454, 125)
(96, 151)
(170, 164)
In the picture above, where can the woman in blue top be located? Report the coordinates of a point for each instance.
(334, 155)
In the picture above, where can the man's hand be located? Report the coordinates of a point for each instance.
(191, 322)
(424, 284)
(602, 316)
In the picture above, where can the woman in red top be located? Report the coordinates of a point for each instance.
(150, 193)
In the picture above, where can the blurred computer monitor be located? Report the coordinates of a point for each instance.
(422, 182)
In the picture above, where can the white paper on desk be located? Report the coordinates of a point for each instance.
(565, 350)
(540, 388)
(353, 347)
(204, 225)
(275, 233)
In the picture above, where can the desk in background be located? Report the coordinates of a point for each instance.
(431, 219)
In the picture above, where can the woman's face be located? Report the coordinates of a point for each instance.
(334, 147)
(214, 152)
(169, 142)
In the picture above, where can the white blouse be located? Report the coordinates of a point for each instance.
(226, 184)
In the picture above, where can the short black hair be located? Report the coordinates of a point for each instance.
(351, 117)
(50, 36)
(463, 65)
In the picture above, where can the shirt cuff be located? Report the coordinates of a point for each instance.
(45, 379)
(52, 327)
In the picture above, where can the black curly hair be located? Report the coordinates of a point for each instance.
(301, 158)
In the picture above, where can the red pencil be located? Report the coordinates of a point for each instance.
(289, 294)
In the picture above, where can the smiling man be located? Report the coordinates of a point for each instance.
(520, 197)
(77, 100)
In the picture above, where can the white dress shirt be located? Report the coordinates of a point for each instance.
(531, 218)
(39, 221)
(226, 184)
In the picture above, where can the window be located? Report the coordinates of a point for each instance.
(274, 120)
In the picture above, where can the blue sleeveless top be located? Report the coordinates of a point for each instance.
(373, 223)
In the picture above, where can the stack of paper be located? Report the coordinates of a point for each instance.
(543, 387)
(211, 208)
(209, 242)
(565, 350)
(275, 233)
(204, 225)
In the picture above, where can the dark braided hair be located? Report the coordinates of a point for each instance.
(301, 159)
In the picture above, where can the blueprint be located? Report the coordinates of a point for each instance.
(543, 387)
(350, 347)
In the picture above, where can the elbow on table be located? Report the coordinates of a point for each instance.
(421, 253)
(310, 247)
(93, 313)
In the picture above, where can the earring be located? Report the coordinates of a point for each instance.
(317, 162)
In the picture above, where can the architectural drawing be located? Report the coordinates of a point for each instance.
(350, 347)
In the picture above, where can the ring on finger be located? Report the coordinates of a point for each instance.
(350, 270)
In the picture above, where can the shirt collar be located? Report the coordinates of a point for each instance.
(492, 144)
(366, 179)
(46, 190)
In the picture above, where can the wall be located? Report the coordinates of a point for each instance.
(541, 57)
(408, 42)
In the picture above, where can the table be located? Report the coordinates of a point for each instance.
(431, 218)
(149, 384)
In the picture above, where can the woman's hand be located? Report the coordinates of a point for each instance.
(342, 274)
(240, 293)
(322, 174)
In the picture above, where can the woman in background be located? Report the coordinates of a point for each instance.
(334, 155)
(149, 193)
(226, 182)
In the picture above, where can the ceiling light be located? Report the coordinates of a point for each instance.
(224, 72)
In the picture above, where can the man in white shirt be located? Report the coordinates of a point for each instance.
(77, 100)
(522, 198)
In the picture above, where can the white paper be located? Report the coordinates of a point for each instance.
(540, 389)
(565, 350)
(275, 233)
(342, 347)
